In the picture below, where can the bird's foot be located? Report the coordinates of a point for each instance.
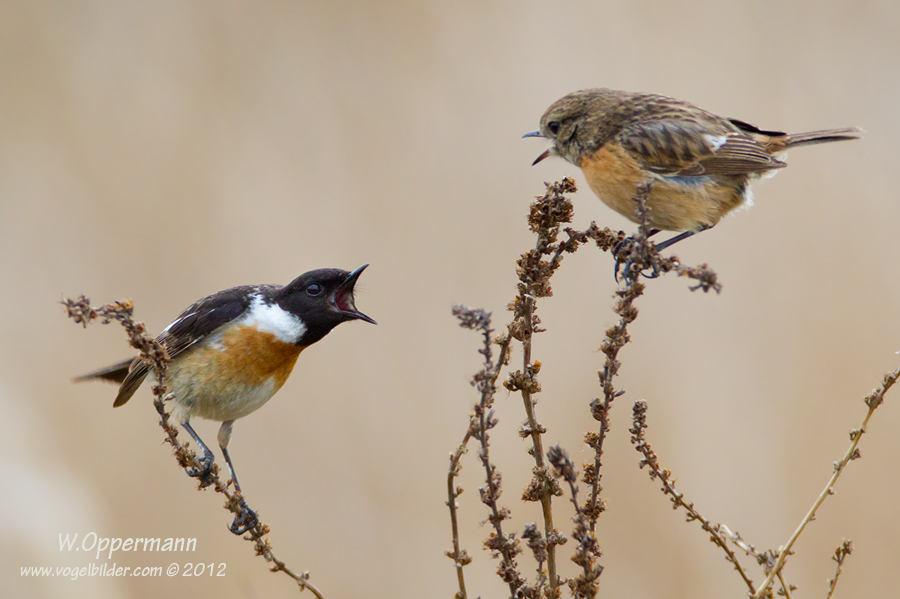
(206, 470)
(245, 521)
(632, 261)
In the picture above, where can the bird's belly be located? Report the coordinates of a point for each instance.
(227, 402)
(233, 374)
(676, 203)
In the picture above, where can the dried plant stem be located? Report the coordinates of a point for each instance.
(547, 491)
(152, 352)
(840, 554)
(716, 534)
(765, 559)
(459, 556)
(481, 420)
(616, 338)
(503, 545)
(785, 587)
(535, 268)
(873, 400)
(585, 585)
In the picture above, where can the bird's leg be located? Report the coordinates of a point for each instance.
(623, 248)
(224, 438)
(680, 237)
(247, 518)
(207, 460)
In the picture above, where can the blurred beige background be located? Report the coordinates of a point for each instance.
(165, 150)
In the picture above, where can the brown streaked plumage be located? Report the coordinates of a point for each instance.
(701, 164)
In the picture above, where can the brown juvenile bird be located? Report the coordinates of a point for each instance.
(700, 164)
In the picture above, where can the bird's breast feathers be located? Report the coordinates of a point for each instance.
(240, 366)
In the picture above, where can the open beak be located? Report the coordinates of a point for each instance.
(537, 133)
(541, 157)
(343, 297)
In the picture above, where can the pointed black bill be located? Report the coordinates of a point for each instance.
(343, 297)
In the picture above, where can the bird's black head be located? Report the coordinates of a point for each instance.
(322, 299)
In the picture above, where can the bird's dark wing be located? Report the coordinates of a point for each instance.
(695, 148)
(748, 128)
(193, 325)
(203, 318)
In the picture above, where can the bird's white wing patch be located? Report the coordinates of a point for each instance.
(715, 141)
(272, 319)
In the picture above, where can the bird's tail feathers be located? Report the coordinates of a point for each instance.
(113, 374)
(824, 136)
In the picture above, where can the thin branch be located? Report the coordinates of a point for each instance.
(542, 487)
(538, 546)
(873, 400)
(588, 550)
(785, 587)
(638, 439)
(639, 251)
(486, 382)
(840, 554)
(535, 268)
(546, 217)
(738, 540)
(155, 355)
(459, 556)
(765, 559)
(481, 420)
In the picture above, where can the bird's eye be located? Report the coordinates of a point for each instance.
(553, 126)
(314, 289)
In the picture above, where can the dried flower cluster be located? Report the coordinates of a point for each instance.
(636, 257)
(547, 216)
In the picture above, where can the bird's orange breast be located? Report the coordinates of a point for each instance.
(244, 356)
(676, 203)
